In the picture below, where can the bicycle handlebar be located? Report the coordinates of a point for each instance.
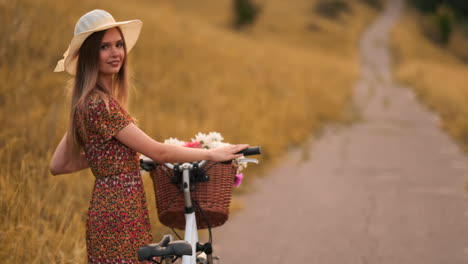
(251, 151)
(148, 164)
(165, 248)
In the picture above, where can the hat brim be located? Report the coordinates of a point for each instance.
(130, 30)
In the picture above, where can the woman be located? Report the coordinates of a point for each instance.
(103, 137)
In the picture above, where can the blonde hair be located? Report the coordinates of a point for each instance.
(86, 82)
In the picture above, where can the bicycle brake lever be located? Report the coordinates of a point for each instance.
(248, 160)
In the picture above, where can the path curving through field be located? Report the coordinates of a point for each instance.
(388, 189)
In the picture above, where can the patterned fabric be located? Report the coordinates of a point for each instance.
(106, 155)
(118, 222)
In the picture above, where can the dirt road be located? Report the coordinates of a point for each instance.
(388, 189)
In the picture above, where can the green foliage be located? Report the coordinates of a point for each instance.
(331, 8)
(459, 7)
(444, 21)
(443, 15)
(428, 6)
(245, 13)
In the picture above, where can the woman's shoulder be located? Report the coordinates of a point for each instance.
(96, 97)
(99, 100)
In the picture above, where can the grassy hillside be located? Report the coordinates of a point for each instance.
(273, 85)
(437, 74)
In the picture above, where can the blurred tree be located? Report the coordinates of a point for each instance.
(444, 20)
(460, 7)
(428, 6)
(445, 14)
(245, 13)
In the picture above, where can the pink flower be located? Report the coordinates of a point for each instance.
(193, 144)
(238, 179)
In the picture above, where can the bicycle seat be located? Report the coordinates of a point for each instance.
(166, 247)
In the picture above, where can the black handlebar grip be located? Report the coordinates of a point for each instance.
(144, 253)
(251, 151)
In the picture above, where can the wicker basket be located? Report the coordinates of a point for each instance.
(212, 198)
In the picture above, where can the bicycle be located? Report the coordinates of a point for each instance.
(191, 251)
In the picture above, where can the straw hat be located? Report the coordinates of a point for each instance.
(89, 23)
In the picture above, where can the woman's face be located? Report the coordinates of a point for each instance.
(111, 52)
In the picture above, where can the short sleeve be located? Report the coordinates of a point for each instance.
(106, 121)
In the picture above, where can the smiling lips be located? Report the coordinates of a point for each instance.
(114, 63)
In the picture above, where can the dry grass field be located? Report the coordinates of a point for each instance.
(273, 85)
(437, 74)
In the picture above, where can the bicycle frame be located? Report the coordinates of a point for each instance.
(191, 231)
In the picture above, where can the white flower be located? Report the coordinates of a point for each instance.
(174, 141)
(214, 136)
(209, 141)
(200, 137)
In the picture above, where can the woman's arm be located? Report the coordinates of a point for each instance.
(137, 140)
(62, 161)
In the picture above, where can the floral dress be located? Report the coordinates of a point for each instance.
(118, 222)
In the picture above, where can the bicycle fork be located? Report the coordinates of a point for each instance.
(191, 232)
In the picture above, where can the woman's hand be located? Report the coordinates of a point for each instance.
(227, 152)
(63, 162)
